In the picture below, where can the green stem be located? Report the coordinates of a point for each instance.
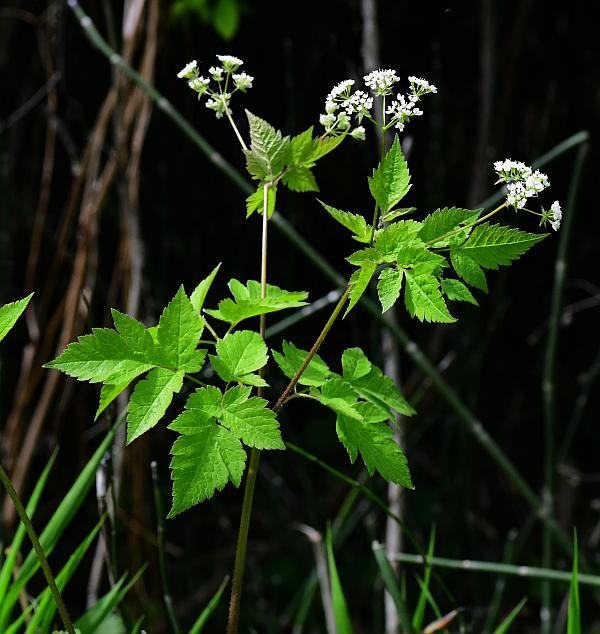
(250, 484)
(311, 353)
(235, 129)
(62, 608)
(527, 572)
(382, 131)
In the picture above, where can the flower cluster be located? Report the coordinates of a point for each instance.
(553, 216)
(522, 182)
(342, 104)
(226, 78)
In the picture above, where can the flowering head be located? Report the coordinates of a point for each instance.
(522, 182)
(221, 84)
(553, 216)
(381, 81)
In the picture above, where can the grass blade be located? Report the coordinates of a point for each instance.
(340, 608)
(419, 615)
(503, 627)
(210, 608)
(391, 584)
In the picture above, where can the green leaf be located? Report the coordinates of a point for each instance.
(202, 406)
(247, 302)
(301, 148)
(199, 295)
(391, 179)
(268, 149)
(359, 281)
(396, 213)
(388, 287)
(444, 221)
(134, 334)
(340, 608)
(179, 331)
(456, 290)
(150, 400)
(355, 364)
(466, 267)
(505, 625)
(239, 355)
(226, 18)
(395, 238)
(203, 463)
(492, 246)
(9, 313)
(376, 444)
(108, 394)
(419, 613)
(373, 385)
(357, 224)
(339, 396)
(290, 360)
(255, 202)
(300, 179)
(423, 298)
(253, 422)
(323, 145)
(103, 357)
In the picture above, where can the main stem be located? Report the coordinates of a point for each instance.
(242, 543)
(37, 547)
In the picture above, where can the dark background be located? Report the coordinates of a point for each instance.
(514, 78)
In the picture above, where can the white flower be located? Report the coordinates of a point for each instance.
(556, 213)
(331, 107)
(359, 103)
(381, 81)
(358, 133)
(243, 81)
(343, 121)
(216, 72)
(342, 88)
(521, 181)
(219, 103)
(230, 63)
(327, 121)
(199, 85)
(189, 71)
(421, 86)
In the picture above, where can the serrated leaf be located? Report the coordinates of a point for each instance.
(108, 394)
(300, 179)
(203, 463)
(179, 331)
(202, 406)
(355, 364)
(421, 259)
(102, 357)
(492, 246)
(396, 213)
(255, 202)
(290, 360)
(301, 148)
(374, 385)
(199, 294)
(424, 300)
(443, 221)
(393, 239)
(339, 396)
(377, 447)
(388, 287)
(150, 399)
(247, 301)
(9, 313)
(357, 224)
(466, 267)
(391, 179)
(456, 290)
(359, 281)
(253, 422)
(239, 355)
(322, 146)
(268, 149)
(134, 333)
